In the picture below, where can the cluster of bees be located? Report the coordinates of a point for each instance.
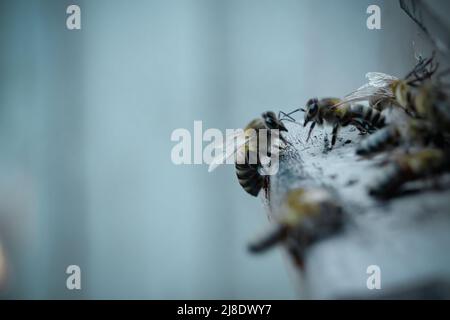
(418, 137)
(410, 117)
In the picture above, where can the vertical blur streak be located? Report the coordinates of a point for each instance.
(3, 267)
(155, 229)
(41, 113)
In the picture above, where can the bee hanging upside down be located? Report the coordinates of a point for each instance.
(409, 167)
(254, 149)
(364, 118)
(306, 216)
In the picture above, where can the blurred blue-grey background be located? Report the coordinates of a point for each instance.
(86, 117)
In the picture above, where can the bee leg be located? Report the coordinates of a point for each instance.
(266, 187)
(334, 135)
(285, 116)
(360, 126)
(286, 142)
(310, 130)
(297, 258)
(274, 236)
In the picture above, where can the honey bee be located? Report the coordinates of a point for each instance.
(253, 149)
(383, 91)
(386, 137)
(306, 216)
(432, 102)
(336, 114)
(412, 132)
(409, 167)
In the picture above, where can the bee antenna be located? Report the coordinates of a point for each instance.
(421, 68)
(287, 116)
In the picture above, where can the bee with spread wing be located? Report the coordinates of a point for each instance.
(383, 91)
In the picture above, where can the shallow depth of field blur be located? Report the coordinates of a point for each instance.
(86, 117)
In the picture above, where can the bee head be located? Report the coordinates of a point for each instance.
(312, 107)
(272, 121)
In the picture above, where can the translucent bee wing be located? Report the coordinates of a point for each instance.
(229, 139)
(233, 143)
(378, 86)
(362, 94)
(379, 79)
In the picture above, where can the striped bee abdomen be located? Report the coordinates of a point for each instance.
(388, 136)
(368, 115)
(249, 178)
